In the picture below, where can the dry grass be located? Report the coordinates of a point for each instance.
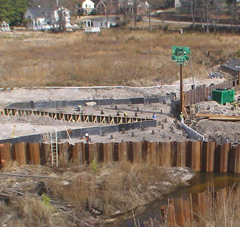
(113, 57)
(28, 211)
(222, 210)
(115, 188)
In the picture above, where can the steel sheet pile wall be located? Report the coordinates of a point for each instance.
(197, 208)
(198, 155)
(200, 94)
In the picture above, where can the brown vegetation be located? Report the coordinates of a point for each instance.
(73, 196)
(116, 189)
(113, 57)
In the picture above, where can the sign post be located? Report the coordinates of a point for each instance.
(181, 55)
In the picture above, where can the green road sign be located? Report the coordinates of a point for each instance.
(180, 54)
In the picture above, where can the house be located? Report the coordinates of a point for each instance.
(87, 7)
(48, 18)
(4, 27)
(95, 24)
(104, 22)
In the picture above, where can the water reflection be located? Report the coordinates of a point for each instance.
(199, 183)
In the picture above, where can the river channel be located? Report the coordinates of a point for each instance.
(200, 182)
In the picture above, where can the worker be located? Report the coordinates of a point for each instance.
(235, 105)
(125, 114)
(154, 116)
(197, 108)
(181, 117)
(87, 138)
(78, 107)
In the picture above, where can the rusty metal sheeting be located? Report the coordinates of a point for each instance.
(34, 153)
(200, 93)
(198, 155)
(20, 154)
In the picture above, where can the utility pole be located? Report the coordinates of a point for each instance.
(181, 90)
(181, 55)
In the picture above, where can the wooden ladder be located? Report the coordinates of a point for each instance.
(54, 148)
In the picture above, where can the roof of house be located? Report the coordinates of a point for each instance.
(41, 11)
(104, 19)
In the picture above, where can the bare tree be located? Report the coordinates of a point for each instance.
(61, 19)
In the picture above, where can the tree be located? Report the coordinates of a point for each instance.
(234, 10)
(6, 11)
(12, 11)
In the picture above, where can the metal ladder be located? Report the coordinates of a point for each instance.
(54, 148)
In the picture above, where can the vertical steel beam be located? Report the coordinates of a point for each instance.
(137, 152)
(224, 157)
(20, 153)
(123, 151)
(181, 154)
(237, 160)
(181, 89)
(34, 153)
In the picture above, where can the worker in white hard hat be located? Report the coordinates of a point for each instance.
(87, 138)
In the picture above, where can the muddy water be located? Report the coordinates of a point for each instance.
(199, 183)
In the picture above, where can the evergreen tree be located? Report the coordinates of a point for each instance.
(6, 10)
(12, 11)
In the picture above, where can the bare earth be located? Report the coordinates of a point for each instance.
(19, 126)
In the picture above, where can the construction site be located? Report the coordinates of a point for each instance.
(48, 127)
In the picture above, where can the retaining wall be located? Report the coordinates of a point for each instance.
(198, 155)
(200, 94)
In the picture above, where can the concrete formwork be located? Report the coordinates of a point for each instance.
(60, 104)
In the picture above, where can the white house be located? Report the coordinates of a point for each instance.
(4, 27)
(104, 22)
(88, 6)
(47, 18)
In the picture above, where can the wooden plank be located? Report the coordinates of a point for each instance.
(218, 117)
(225, 118)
